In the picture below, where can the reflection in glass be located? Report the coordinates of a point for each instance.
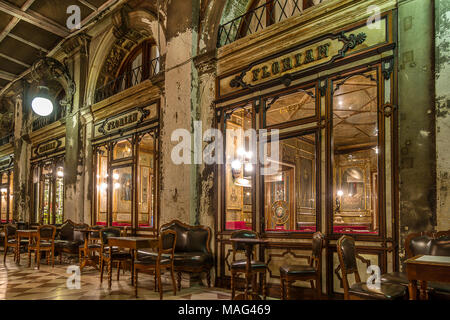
(122, 196)
(123, 149)
(290, 107)
(355, 154)
(239, 170)
(102, 185)
(146, 179)
(290, 193)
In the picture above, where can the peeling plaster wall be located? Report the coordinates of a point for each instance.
(176, 114)
(22, 155)
(417, 189)
(442, 13)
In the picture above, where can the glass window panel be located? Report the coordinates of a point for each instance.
(239, 171)
(122, 149)
(146, 181)
(11, 196)
(355, 155)
(46, 200)
(290, 187)
(59, 189)
(4, 178)
(291, 107)
(122, 194)
(4, 199)
(102, 185)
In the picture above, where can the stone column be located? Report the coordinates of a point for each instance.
(22, 153)
(442, 88)
(417, 162)
(206, 184)
(76, 50)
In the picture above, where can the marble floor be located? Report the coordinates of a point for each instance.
(20, 282)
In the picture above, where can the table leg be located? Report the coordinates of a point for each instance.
(412, 289)
(423, 290)
(133, 252)
(18, 248)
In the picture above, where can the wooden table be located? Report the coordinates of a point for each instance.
(248, 243)
(132, 243)
(88, 259)
(426, 268)
(31, 235)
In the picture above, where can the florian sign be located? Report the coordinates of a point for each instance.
(49, 147)
(293, 63)
(126, 121)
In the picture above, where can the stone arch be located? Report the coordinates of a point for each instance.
(129, 27)
(216, 13)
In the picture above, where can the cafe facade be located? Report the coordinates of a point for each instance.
(314, 103)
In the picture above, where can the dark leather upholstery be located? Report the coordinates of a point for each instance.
(297, 269)
(440, 246)
(66, 231)
(348, 253)
(421, 245)
(188, 239)
(105, 233)
(91, 246)
(151, 260)
(180, 259)
(242, 264)
(387, 291)
(424, 244)
(395, 277)
(68, 245)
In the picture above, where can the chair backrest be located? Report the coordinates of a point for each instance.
(95, 232)
(428, 243)
(190, 238)
(317, 245)
(237, 247)
(46, 232)
(105, 233)
(167, 242)
(10, 230)
(347, 254)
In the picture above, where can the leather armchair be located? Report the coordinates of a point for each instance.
(68, 238)
(424, 243)
(192, 249)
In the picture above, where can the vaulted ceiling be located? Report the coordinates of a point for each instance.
(31, 27)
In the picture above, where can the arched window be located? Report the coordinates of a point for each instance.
(141, 64)
(259, 15)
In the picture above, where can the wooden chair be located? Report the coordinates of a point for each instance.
(312, 271)
(360, 290)
(11, 241)
(160, 262)
(109, 254)
(94, 246)
(240, 266)
(45, 241)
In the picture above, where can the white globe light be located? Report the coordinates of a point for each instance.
(42, 106)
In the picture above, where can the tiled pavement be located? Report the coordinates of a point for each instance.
(19, 282)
